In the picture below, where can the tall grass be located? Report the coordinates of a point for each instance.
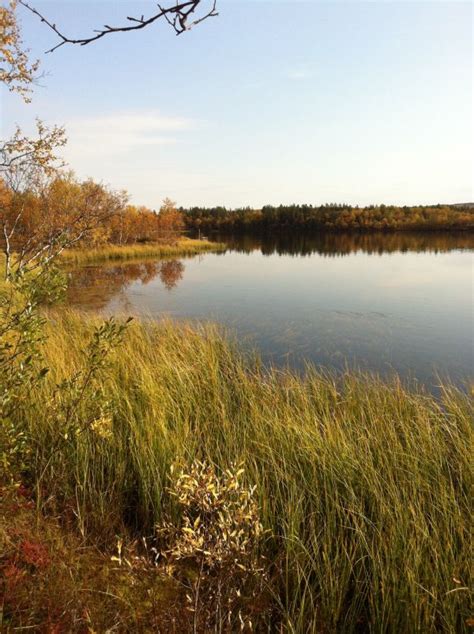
(363, 484)
(184, 246)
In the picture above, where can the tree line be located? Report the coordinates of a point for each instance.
(333, 217)
(37, 208)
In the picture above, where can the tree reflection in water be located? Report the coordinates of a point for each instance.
(171, 272)
(97, 285)
(301, 243)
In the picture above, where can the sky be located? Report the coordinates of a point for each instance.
(270, 102)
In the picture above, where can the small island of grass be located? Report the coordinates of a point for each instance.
(114, 252)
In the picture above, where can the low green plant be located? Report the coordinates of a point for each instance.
(75, 404)
(21, 362)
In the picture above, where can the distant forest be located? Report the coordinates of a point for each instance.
(331, 217)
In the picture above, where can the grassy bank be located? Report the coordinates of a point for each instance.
(363, 485)
(183, 247)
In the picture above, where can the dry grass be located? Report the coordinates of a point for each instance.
(52, 580)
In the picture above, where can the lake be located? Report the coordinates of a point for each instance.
(379, 302)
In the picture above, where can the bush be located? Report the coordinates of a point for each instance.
(213, 548)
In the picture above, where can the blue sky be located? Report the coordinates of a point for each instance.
(271, 102)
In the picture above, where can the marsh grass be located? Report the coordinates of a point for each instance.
(363, 484)
(184, 246)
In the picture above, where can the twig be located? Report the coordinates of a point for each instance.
(176, 16)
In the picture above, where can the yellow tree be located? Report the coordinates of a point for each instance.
(17, 72)
(170, 220)
(26, 167)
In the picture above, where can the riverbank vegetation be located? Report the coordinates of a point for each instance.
(113, 253)
(331, 217)
(152, 476)
(155, 478)
(361, 485)
(84, 214)
(98, 224)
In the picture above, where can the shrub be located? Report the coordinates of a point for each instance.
(214, 546)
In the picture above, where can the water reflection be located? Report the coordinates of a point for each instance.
(171, 272)
(393, 302)
(96, 286)
(340, 244)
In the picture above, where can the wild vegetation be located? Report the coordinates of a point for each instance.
(154, 478)
(362, 485)
(331, 217)
(46, 211)
(17, 71)
(110, 253)
(49, 204)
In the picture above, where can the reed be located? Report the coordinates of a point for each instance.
(363, 484)
(183, 247)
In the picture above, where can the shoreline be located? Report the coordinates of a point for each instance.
(183, 247)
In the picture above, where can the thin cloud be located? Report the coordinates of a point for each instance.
(299, 73)
(123, 132)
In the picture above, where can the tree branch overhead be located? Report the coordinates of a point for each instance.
(179, 17)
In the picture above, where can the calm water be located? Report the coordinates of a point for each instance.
(383, 303)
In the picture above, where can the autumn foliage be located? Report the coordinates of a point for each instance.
(96, 214)
(331, 217)
(17, 71)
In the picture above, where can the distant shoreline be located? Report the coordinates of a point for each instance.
(312, 230)
(333, 218)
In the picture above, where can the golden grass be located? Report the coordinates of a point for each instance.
(183, 247)
(363, 484)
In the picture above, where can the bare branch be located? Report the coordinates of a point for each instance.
(176, 15)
